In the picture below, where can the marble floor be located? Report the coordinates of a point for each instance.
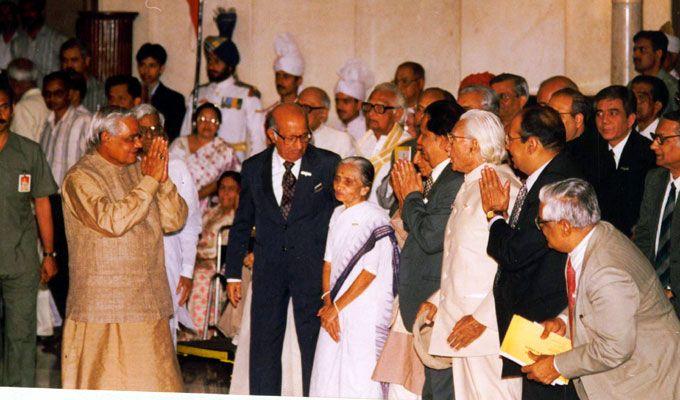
(200, 375)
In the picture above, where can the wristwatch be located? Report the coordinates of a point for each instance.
(52, 254)
(491, 213)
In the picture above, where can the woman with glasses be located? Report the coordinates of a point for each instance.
(463, 309)
(207, 155)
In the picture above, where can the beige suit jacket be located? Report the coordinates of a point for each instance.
(626, 334)
(467, 270)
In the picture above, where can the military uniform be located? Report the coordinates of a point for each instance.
(242, 125)
(24, 175)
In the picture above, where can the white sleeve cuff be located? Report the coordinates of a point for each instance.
(494, 219)
(233, 280)
(187, 271)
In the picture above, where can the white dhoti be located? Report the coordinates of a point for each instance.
(479, 378)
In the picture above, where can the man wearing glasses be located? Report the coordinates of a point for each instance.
(316, 104)
(287, 196)
(513, 92)
(410, 79)
(657, 233)
(384, 111)
(530, 281)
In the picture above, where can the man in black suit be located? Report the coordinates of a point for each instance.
(585, 146)
(425, 211)
(622, 173)
(530, 281)
(151, 59)
(287, 195)
(657, 233)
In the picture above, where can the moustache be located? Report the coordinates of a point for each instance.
(3, 121)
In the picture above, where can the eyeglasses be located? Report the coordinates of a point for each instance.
(213, 121)
(291, 140)
(404, 81)
(506, 96)
(540, 222)
(151, 131)
(54, 93)
(379, 108)
(660, 139)
(451, 137)
(308, 109)
(509, 138)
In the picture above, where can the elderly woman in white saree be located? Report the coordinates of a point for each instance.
(359, 284)
(463, 308)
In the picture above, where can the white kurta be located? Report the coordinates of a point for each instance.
(344, 369)
(180, 247)
(467, 278)
(339, 142)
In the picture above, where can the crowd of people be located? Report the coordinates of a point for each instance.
(381, 258)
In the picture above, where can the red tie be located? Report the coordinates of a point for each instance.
(571, 296)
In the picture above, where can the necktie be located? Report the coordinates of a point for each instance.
(288, 183)
(145, 94)
(612, 160)
(427, 186)
(517, 208)
(662, 259)
(571, 296)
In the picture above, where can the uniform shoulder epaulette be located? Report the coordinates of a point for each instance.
(252, 90)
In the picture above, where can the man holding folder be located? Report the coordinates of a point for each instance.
(624, 332)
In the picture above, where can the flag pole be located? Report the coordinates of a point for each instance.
(199, 49)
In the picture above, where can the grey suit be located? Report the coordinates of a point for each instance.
(421, 261)
(626, 335)
(647, 226)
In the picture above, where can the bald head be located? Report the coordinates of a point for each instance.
(317, 103)
(427, 97)
(288, 130)
(552, 85)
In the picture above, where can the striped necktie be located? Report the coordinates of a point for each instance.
(517, 208)
(427, 186)
(288, 183)
(662, 260)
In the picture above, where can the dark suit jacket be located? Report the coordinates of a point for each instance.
(648, 224)
(293, 247)
(421, 257)
(171, 105)
(620, 191)
(588, 151)
(531, 280)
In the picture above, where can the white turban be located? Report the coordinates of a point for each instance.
(673, 43)
(355, 79)
(288, 56)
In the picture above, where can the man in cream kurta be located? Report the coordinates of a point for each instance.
(383, 110)
(116, 209)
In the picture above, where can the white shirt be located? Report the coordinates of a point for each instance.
(29, 115)
(339, 142)
(65, 141)
(43, 50)
(277, 174)
(676, 182)
(242, 121)
(647, 132)
(436, 172)
(6, 52)
(618, 149)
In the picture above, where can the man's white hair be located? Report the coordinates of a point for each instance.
(573, 200)
(145, 109)
(392, 88)
(487, 129)
(108, 119)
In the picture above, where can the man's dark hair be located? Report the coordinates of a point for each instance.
(74, 43)
(520, 84)
(657, 38)
(78, 82)
(579, 103)
(443, 114)
(57, 76)
(659, 90)
(153, 50)
(545, 124)
(418, 70)
(8, 92)
(12, 7)
(618, 92)
(39, 4)
(134, 88)
(204, 106)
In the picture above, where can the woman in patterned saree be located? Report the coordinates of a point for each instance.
(207, 155)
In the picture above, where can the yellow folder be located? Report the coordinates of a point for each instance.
(524, 336)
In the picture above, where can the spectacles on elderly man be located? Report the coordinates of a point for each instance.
(540, 222)
(308, 109)
(293, 139)
(151, 131)
(660, 139)
(379, 108)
